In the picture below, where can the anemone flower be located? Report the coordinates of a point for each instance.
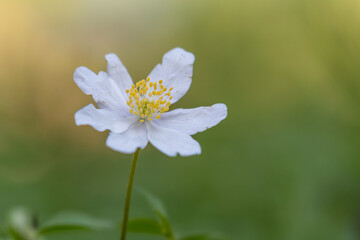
(136, 114)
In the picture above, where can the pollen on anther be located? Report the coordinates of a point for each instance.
(148, 100)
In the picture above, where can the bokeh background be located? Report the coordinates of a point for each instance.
(285, 164)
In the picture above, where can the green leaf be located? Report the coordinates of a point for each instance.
(154, 202)
(22, 224)
(145, 225)
(16, 235)
(166, 226)
(74, 221)
(201, 237)
(160, 211)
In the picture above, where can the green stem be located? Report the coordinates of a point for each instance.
(128, 195)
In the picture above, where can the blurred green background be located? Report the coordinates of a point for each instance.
(285, 164)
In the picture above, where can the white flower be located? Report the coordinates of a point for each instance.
(137, 114)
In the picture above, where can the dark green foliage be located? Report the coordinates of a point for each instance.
(74, 221)
(23, 224)
(145, 226)
(201, 237)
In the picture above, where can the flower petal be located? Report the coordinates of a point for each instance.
(85, 79)
(172, 142)
(191, 121)
(103, 89)
(117, 71)
(102, 119)
(128, 141)
(176, 71)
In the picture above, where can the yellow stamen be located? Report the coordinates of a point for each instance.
(146, 102)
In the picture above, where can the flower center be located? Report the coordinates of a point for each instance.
(148, 100)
